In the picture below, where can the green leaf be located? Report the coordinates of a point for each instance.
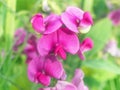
(102, 65)
(100, 33)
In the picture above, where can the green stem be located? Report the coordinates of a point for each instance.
(10, 23)
(88, 5)
(112, 85)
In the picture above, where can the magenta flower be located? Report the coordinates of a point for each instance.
(58, 38)
(30, 49)
(46, 25)
(59, 43)
(41, 69)
(77, 20)
(76, 84)
(19, 36)
(115, 17)
(86, 45)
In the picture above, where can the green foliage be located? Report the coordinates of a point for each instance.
(100, 33)
(102, 65)
(25, 4)
(100, 8)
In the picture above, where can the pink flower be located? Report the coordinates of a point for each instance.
(77, 20)
(115, 17)
(41, 69)
(59, 43)
(58, 38)
(19, 36)
(46, 25)
(86, 45)
(30, 49)
(76, 84)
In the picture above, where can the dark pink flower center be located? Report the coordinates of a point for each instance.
(87, 18)
(60, 52)
(36, 77)
(42, 78)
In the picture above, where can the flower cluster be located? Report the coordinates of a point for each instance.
(59, 36)
(77, 83)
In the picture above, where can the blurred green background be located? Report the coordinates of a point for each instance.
(102, 71)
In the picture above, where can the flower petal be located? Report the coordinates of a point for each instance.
(87, 20)
(20, 36)
(84, 29)
(82, 86)
(63, 85)
(78, 76)
(60, 52)
(69, 41)
(85, 23)
(44, 79)
(48, 88)
(69, 22)
(32, 39)
(38, 23)
(78, 80)
(53, 23)
(35, 66)
(81, 55)
(86, 45)
(30, 52)
(114, 16)
(28, 60)
(53, 67)
(64, 76)
(46, 43)
(74, 11)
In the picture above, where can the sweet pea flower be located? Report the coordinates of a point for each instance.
(76, 84)
(86, 45)
(41, 69)
(59, 42)
(19, 36)
(58, 38)
(115, 17)
(30, 49)
(77, 20)
(46, 25)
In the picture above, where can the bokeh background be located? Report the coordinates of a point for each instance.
(102, 64)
